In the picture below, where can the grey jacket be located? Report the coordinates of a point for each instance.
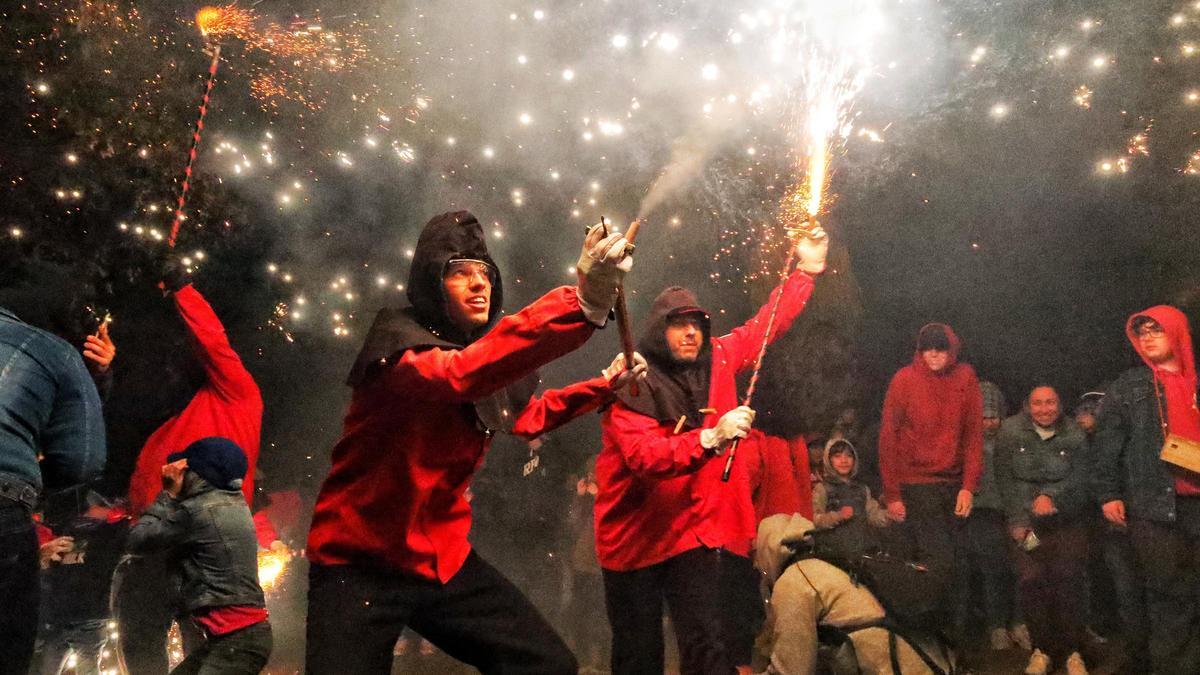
(211, 535)
(1028, 466)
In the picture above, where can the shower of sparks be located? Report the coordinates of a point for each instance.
(271, 566)
(1083, 96)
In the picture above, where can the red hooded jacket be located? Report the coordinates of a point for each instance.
(932, 427)
(228, 404)
(1182, 416)
(411, 442)
(661, 493)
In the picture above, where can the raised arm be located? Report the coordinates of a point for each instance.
(743, 344)
(225, 371)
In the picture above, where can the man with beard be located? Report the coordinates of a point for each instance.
(433, 382)
(226, 403)
(1157, 501)
(663, 514)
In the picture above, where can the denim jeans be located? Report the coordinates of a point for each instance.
(242, 652)
(19, 590)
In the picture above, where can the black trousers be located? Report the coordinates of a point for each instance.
(1053, 581)
(18, 587)
(1170, 561)
(147, 602)
(938, 539)
(242, 652)
(742, 606)
(355, 615)
(690, 585)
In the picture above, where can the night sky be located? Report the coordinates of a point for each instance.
(1022, 171)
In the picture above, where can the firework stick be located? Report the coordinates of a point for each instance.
(623, 315)
(194, 150)
(808, 231)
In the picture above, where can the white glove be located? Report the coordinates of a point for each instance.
(601, 268)
(733, 424)
(811, 251)
(618, 376)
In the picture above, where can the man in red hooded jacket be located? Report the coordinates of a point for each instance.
(663, 514)
(227, 404)
(931, 449)
(433, 382)
(1159, 502)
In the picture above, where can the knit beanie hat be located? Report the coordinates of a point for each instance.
(219, 461)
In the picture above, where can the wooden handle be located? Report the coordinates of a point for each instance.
(623, 314)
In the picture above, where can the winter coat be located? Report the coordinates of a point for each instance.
(811, 593)
(228, 404)
(661, 493)
(1028, 466)
(847, 538)
(48, 405)
(211, 533)
(413, 438)
(1129, 435)
(932, 428)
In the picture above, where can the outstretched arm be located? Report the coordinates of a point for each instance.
(556, 407)
(743, 344)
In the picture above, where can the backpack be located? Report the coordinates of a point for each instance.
(911, 596)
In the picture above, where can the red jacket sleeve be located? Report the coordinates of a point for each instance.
(226, 374)
(889, 438)
(777, 491)
(651, 449)
(545, 330)
(972, 439)
(743, 344)
(556, 407)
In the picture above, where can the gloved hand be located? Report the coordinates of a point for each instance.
(733, 424)
(811, 251)
(619, 376)
(601, 268)
(173, 273)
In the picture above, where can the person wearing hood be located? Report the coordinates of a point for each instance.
(808, 594)
(987, 541)
(931, 450)
(201, 522)
(1041, 470)
(1157, 500)
(224, 401)
(663, 514)
(434, 381)
(843, 507)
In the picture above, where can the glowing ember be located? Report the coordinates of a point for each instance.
(216, 22)
(271, 565)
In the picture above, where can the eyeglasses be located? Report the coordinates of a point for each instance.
(462, 271)
(1150, 331)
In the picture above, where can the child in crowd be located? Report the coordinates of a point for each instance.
(843, 507)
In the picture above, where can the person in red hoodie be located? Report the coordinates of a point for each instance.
(227, 403)
(663, 514)
(931, 449)
(1156, 501)
(433, 382)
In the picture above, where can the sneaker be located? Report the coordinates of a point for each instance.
(1039, 663)
(1075, 665)
(1020, 635)
(1000, 639)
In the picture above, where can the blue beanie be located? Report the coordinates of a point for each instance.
(217, 460)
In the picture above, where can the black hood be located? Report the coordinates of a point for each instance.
(672, 389)
(448, 237)
(425, 323)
